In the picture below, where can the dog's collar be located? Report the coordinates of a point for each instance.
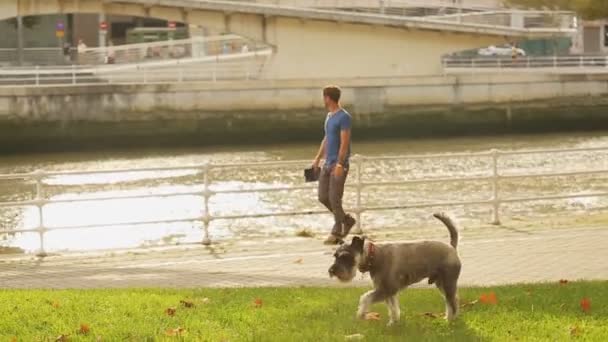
(369, 258)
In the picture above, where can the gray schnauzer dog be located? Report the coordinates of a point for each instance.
(394, 267)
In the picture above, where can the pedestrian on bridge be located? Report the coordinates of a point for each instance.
(335, 149)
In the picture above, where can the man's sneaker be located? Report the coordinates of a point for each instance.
(349, 222)
(332, 240)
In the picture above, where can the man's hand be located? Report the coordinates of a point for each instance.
(338, 170)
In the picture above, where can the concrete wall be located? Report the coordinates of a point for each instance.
(77, 117)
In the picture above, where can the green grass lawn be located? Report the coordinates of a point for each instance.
(550, 312)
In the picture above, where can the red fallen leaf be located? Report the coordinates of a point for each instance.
(489, 298)
(187, 304)
(84, 328)
(62, 338)
(586, 304)
(372, 316)
(179, 331)
(170, 311)
(257, 303)
(563, 281)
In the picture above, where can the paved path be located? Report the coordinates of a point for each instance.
(501, 259)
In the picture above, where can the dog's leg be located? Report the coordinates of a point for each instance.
(367, 299)
(393, 309)
(451, 299)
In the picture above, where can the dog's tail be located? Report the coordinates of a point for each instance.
(451, 227)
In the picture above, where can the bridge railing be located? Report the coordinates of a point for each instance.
(494, 175)
(526, 64)
(232, 66)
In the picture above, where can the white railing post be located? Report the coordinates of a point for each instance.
(580, 62)
(495, 181)
(206, 216)
(145, 75)
(180, 77)
(38, 175)
(73, 74)
(358, 210)
(37, 75)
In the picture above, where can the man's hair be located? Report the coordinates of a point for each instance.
(333, 92)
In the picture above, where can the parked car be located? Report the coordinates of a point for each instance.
(501, 51)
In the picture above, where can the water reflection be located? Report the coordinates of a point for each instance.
(159, 207)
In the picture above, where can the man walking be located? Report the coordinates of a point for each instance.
(335, 148)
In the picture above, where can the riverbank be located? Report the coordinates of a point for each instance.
(91, 117)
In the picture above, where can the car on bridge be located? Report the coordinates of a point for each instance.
(501, 51)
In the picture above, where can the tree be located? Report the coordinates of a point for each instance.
(588, 9)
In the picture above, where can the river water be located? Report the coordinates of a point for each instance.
(95, 213)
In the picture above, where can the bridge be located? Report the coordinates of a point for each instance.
(384, 39)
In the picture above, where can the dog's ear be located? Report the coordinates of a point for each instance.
(357, 243)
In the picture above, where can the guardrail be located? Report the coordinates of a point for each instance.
(233, 66)
(527, 64)
(493, 175)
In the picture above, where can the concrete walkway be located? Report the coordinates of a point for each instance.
(510, 257)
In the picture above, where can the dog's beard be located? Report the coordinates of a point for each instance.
(347, 276)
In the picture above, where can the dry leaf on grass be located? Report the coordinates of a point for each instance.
(170, 311)
(14, 339)
(354, 337)
(205, 300)
(372, 316)
(84, 329)
(586, 304)
(54, 303)
(62, 338)
(187, 304)
(468, 304)
(431, 315)
(563, 281)
(179, 331)
(257, 303)
(575, 330)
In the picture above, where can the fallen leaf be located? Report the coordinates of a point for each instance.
(98, 339)
(205, 300)
(187, 304)
(489, 298)
(170, 311)
(84, 328)
(298, 261)
(468, 304)
(354, 337)
(431, 315)
(14, 339)
(179, 331)
(586, 304)
(563, 281)
(54, 304)
(257, 303)
(575, 331)
(62, 338)
(372, 316)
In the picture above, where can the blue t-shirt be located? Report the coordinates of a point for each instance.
(334, 124)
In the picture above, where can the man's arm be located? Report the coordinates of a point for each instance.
(320, 153)
(344, 143)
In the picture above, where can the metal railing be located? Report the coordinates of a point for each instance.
(231, 66)
(560, 64)
(464, 13)
(493, 175)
